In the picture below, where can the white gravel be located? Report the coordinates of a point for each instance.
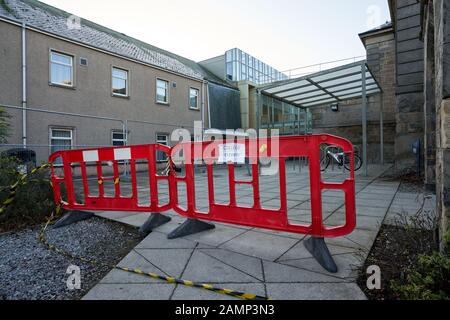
(29, 271)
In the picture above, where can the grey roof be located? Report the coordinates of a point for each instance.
(53, 20)
(325, 87)
(384, 26)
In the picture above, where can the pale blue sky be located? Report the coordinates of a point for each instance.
(282, 33)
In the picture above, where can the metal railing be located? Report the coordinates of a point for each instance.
(300, 71)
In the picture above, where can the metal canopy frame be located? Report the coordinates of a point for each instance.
(350, 81)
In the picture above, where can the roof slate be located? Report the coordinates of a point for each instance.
(53, 20)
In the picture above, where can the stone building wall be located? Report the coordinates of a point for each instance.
(409, 80)
(429, 108)
(441, 14)
(380, 46)
(346, 123)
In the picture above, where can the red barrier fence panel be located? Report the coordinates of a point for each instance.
(114, 156)
(278, 150)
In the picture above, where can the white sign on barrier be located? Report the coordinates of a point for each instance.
(231, 152)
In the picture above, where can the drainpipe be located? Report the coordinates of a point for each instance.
(209, 107)
(203, 103)
(24, 87)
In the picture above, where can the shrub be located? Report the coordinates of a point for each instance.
(429, 280)
(33, 201)
(447, 239)
(4, 125)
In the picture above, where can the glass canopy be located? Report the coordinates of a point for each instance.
(325, 87)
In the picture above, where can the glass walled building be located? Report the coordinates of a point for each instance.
(241, 66)
(288, 119)
(257, 111)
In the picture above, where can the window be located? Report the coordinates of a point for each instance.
(162, 91)
(164, 140)
(118, 138)
(193, 98)
(230, 71)
(61, 69)
(60, 139)
(119, 82)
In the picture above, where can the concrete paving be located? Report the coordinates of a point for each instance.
(263, 262)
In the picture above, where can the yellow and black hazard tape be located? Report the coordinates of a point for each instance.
(116, 181)
(209, 287)
(14, 187)
(205, 286)
(57, 212)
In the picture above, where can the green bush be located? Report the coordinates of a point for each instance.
(428, 280)
(4, 125)
(447, 238)
(33, 201)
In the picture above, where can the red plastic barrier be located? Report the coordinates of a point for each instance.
(255, 216)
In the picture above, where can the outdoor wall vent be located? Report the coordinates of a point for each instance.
(174, 84)
(83, 62)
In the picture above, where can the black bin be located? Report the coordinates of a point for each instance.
(25, 156)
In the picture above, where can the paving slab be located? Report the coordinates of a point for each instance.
(206, 268)
(133, 261)
(347, 263)
(369, 211)
(171, 261)
(135, 220)
(189, 293)
(262, 245)
(383, 203)
(133, 291)
(299, 252)
(283, 273)
(362, 222)
(249, 265)
(158, 240)
(218, 236)
(259, 261)
(114, 215)
(315, 291)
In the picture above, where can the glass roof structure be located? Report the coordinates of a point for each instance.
(350, 81)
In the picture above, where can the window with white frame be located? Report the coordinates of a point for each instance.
(193, 98)
(162, 91)
(164, 140)
(61, 69)
(60, 139)
(118, 138)
(119, 82)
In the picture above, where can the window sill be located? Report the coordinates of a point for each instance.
(194, 109)
(119, 96)
(51, 84)
(163, 103)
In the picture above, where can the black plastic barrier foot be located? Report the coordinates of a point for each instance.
(190, 226)
(318, 248)
(156, 220)
(71, 217)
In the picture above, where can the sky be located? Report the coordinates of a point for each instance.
(285, 34)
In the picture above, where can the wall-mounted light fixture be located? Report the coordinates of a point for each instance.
(335, 107)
